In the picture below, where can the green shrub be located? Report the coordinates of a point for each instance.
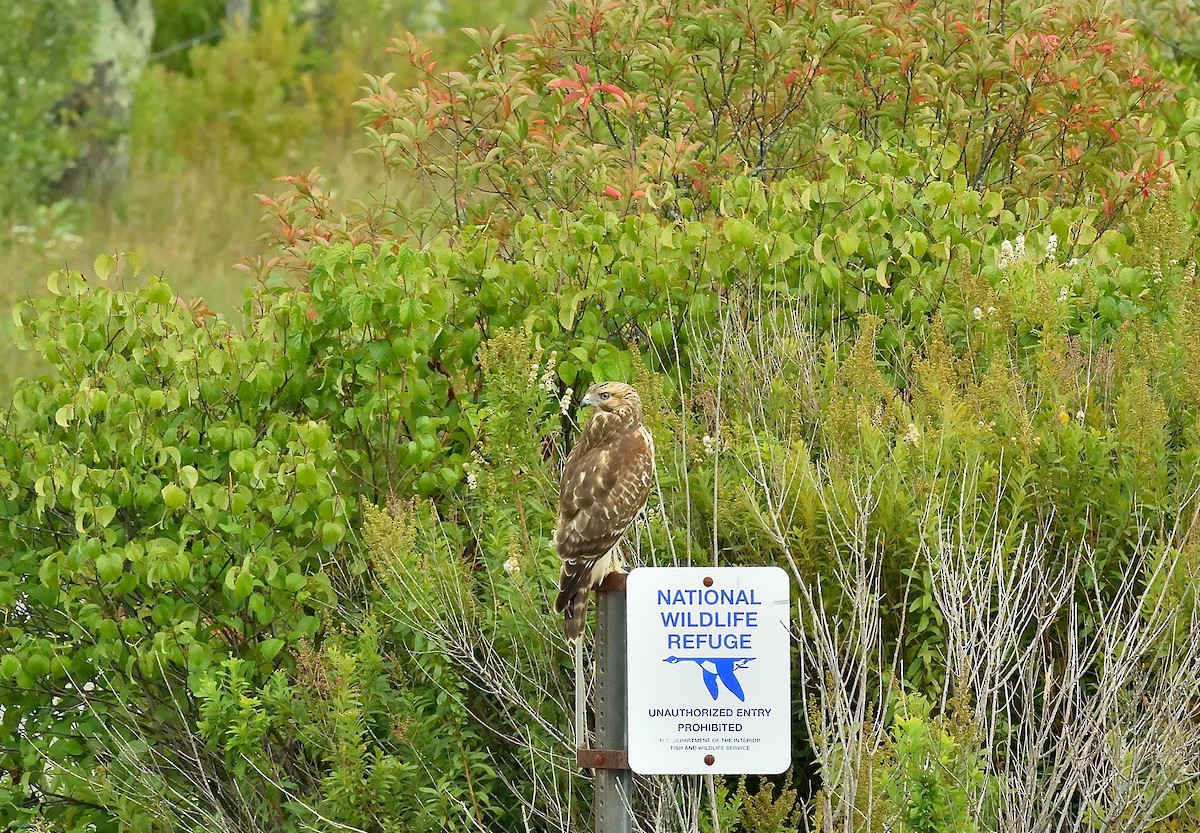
(191, 482)
(45, 48)
(246, 105)
(650, 109)
(179, 21)
(165, 521)
(937, 773)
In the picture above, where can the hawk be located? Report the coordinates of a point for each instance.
(604, 485)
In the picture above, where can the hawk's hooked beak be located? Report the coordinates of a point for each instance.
(589, 401)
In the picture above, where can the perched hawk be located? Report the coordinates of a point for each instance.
(604, 484)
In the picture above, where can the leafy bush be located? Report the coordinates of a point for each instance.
(647, 106)
(182, 465)
(45, 48)
(246, 103)
(1172, 24)
(174, 522)
(177, 22)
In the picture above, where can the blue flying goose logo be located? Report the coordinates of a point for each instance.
(718, 668)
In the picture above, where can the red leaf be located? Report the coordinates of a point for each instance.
(564, 84)
(611, 192)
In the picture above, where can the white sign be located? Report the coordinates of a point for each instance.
(709, 671)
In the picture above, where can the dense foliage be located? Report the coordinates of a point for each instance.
(44, 48)
(910, 293)
(645, 105)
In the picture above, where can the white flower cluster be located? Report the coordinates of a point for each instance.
(550, 377)
(711, 444)
(469, 467)
(512, 566)
(564, 404)
(1013, 251)
(978, 312)
(535, 365)
(912, 435)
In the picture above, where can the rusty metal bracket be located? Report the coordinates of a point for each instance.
(602, 758)
(614, 583)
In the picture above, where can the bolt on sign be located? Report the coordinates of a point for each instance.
(709, 670)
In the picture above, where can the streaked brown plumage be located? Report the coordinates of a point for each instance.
(604, 485)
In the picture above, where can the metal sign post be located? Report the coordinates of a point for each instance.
(613, 779)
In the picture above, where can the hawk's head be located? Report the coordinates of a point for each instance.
(613, 397)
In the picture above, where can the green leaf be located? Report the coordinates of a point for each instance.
(173, 496)
(161, 294)
(566, 317)
(1189, 128)
(190, 476)
(270, 648)
(847, 242)
(243, 585)
(109, 566)
(740, 233)
(37, 665)
(104, 265)
(306, 475)
(819, 248)
(941, 192)
(332, 532)
(359, 305)
(105, 515)
(1060, 224)
(48, 573)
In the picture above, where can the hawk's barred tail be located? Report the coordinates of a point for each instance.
(576, 614)
(574, 583)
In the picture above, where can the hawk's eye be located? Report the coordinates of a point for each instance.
(605, 395)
